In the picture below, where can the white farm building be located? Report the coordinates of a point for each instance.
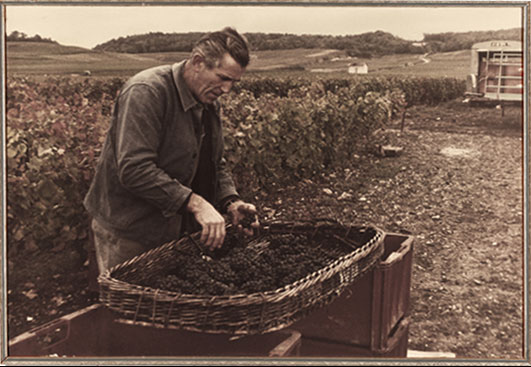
(358, 68)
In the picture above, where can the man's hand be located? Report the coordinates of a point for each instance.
(211, 221)
(243, 216)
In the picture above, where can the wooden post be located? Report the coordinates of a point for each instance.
(403, 119)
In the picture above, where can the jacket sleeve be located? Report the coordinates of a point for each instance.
(139, 116)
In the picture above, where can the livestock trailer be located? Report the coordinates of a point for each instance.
(497, 71)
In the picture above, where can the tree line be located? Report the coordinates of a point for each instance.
(449, 41)
(17, 36)
(365, 45)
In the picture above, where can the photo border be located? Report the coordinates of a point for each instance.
(5, 358)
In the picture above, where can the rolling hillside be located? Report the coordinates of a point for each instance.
(49, 58)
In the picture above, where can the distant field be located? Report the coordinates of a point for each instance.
(41, 58)
(35, 58)
(450, 64)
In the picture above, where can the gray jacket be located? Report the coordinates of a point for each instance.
(150, 156)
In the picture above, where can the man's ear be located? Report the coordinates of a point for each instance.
(197, 61)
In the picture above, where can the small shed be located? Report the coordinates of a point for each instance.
(358, 68)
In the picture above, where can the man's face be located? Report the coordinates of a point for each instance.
(209, 84)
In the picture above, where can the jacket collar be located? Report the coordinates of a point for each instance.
(187, 98)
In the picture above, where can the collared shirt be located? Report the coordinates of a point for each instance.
(150, 157)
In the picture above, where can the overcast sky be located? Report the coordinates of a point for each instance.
(88, 26)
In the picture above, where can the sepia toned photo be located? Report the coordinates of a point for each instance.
(288, 183)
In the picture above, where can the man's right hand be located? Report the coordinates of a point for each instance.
(211, 221)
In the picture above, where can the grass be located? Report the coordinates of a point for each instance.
(36, 58)
(33, 58)
(450, 64)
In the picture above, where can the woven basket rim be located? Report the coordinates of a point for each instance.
(321, 274)
(241, 313)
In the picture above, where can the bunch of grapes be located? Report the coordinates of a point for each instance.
(174, 283)
(222, 272)
(238, 268)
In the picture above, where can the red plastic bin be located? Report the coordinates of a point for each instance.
(367, 314)
(396, 346)
(93, 332)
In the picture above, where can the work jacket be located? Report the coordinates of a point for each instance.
(150, 155)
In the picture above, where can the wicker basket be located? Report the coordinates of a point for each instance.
(239, 314)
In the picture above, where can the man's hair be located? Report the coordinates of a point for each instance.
(213, 46)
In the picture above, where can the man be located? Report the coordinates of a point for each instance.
(161, 171)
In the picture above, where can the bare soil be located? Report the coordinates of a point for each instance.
(457, 186)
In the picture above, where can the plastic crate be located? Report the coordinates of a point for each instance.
(93, 332)
(396, 346)
(368, 311)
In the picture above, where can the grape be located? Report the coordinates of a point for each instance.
(239, 268)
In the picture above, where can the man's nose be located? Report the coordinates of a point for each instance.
(226, 86)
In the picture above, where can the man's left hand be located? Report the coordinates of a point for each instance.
(244, 217)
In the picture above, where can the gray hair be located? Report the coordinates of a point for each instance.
(213, 46)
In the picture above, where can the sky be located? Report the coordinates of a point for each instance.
(90, 25)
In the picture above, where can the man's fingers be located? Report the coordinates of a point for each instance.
(247, 209)
(205, 234)
(222, 234)
(211, 221)
(244, 217)
(216, 236)
(211, 236)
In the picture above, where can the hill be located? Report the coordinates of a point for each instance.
(48, 58)
(370, 44)
(53, 58)
(444, 42)
(366, 44)
(381, 51)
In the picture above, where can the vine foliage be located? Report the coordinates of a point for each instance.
(277, 131)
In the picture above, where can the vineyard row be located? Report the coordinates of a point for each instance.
(277, 131)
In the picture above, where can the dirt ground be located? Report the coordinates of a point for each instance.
(457, 187)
